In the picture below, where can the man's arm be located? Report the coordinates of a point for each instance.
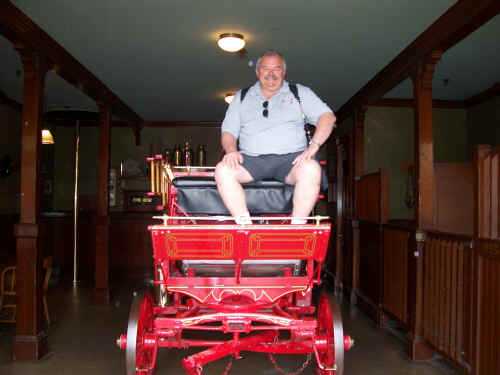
(232, 158)
(323, 130)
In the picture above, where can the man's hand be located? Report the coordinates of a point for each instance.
(308, 154)
(232, 159)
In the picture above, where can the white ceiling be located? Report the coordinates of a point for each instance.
(160, 56)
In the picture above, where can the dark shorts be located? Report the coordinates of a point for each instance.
(269, 165)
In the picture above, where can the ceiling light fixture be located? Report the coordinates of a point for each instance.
(231, 42)
(229, 98)
(47, 137)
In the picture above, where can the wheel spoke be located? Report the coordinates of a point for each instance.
(140, 357)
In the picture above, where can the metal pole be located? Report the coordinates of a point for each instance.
(75, 207)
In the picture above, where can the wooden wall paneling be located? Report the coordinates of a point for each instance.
(339, 220)
(384, 196)
(354, 260)
(131, 248)
(372, 193)
(8, 249)
(371, 213)
(482, 169)
(359, 141)
(351, 179)
(453, 198)
(486, 329)
(494, 194)
(370, 289)
(101, 287)
(395, 278)
(31, 339)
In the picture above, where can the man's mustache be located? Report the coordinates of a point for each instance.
(271, 76)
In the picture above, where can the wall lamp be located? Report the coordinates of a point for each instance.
(47, 137)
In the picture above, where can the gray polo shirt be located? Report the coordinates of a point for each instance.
(282, 132)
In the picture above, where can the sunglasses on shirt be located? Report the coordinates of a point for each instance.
(265, 112)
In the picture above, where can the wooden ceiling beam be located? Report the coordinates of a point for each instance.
(10, 102)
(455, 24)
(484, 96)
(20, 29)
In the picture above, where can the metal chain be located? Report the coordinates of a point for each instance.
(297, 372)
(226, 370)
(228, 366)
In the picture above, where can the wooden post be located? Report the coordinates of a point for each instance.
(339, 219)
(359, 142)
(101, 290)
(137, 135)
(30, 341)
(359, 158)
(424, 194)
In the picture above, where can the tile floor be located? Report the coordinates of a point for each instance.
(82, 341)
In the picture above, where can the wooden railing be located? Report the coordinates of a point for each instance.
(457, 276)
(447, 280)
(486, 276)
(486, 302)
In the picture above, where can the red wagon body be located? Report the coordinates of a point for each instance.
(252, 282)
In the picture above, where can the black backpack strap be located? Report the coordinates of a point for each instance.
(243, 93)
(294, 90)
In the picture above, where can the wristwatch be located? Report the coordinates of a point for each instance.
(316, 143)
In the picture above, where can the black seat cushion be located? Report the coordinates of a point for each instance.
(198, 195)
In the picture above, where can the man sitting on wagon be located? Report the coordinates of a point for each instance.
(267, 122)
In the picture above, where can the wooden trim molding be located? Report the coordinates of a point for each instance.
(484, 96)
(455, 24)
(10, 102)
(19, 28)
(410, 103)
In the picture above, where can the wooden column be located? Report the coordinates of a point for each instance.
(359, 142)
(30, 341)
(101, 290)
(359, 158)
(424, 194)
(339, 219)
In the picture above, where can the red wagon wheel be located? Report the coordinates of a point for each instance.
(140, 353)
(330, 329)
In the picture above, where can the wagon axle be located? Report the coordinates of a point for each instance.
(121, 342)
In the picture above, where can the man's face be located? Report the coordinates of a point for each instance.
(271, 73)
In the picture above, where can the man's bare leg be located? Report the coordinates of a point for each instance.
(229, 182)
(306, 177)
